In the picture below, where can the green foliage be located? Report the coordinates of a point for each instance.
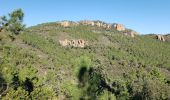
(13, 22)
(155, 90)
(82, 62)
(120, 89)
(43, 94)
(8, 72)
(50, 77)
(142, 84)
(90, 80)
(18, 94)
(3, 21)
(21, 94)
(90, 84)
(71, 91)
(112, 66)
(39, 42)
(106, 95)
(27, 72)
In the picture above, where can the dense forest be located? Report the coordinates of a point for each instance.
(35, 65)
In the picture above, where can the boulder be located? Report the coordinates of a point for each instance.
(167, 37)
(130, 33)
(82, 43)
(64, 42)
(160, 37)
(119, 27)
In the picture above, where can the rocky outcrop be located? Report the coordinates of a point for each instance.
(130, 33)
(160, 37)
(67, 23)
(74, 43)
(167, 37)
(86, 22)
(100, 24)
(96, 23)
(119, 27)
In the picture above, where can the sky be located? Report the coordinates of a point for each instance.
(144, 16)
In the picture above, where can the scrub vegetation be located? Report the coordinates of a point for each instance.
(34, 66)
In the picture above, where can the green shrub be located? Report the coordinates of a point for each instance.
(44, 93)
(18, 94)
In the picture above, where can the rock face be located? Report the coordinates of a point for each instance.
(100, 24)
(160, 37)
(67, 23)
(119, 27)
(86, 22)
(74, 43)
(96, 23)
(130, 33)
(167, 37)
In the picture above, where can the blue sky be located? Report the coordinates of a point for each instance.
(144, 16)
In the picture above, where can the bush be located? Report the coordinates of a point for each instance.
(18, 94)
(44, 93)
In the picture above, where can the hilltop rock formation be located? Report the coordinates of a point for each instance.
(100, 24)
(67, 23)
(160, 37)
(74, 43)
(96, 23)
(119, 27)
(86, 22)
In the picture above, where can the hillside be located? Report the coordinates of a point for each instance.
(83, 61)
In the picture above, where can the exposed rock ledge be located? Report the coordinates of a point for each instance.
(74, 43)
(101, 24)
(160, 37)
(119, 27)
